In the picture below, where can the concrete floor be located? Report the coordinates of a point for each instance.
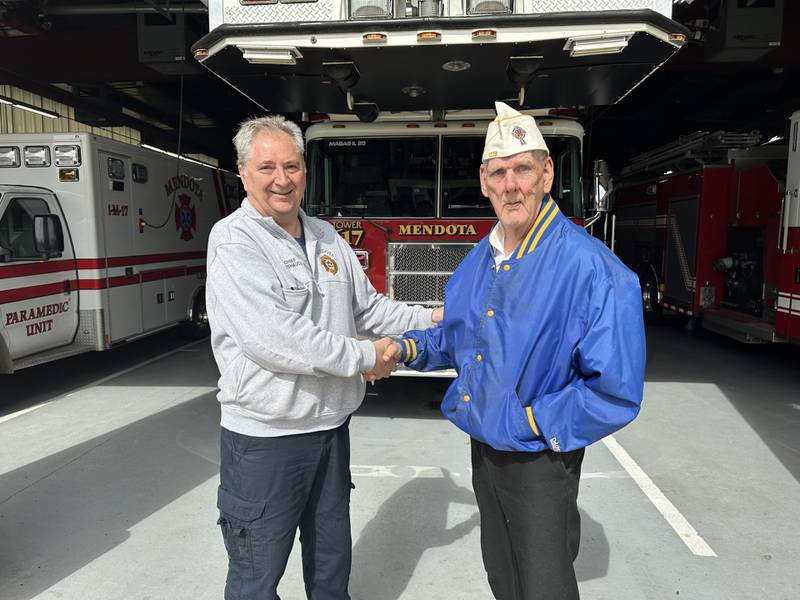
(107, 483)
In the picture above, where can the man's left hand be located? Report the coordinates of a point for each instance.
(438, 314)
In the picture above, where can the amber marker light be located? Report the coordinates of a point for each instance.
(429, 36)
(484, 34)
(374, 38)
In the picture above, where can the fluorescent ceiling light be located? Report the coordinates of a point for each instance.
(30, 108)
(270, 55)
(178, 156)
(596, 45)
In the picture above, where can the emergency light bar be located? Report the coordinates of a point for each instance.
(37, 156)
(370, 9)
(67, 156)
(9, 156)
(489, 7)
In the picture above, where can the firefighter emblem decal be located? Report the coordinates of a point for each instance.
(185, 217)
(329, 264)
(519, 133)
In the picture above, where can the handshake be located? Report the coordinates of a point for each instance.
(387, 354)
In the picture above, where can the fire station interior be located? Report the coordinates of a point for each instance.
(110, 460)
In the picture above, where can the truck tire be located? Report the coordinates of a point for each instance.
(651, 295)
(6, 364)
(197, 327)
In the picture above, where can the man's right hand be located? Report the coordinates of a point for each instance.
(387, 353)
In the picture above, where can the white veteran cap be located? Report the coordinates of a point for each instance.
(511, 133)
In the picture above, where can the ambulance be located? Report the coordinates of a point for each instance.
(100, 243)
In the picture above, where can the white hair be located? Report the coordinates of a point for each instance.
(248, 129)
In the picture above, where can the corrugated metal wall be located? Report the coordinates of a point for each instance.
(16, 120)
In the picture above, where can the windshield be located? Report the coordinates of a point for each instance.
(397, 177)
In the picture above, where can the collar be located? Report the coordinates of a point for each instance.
(309, 227)
(497, 242)
(540, 230)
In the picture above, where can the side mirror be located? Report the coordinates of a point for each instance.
(601, 187)
(48, 236)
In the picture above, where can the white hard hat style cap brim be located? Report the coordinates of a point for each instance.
(511, 133)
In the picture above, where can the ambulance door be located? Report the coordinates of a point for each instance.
(120, 227)
(38, 285)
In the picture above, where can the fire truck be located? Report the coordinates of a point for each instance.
(367, 57)
(404, 192)
(100, 243)
(711, 223)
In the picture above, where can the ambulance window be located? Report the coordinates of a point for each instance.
(116, 168)
(461, 186)
(370, 177)
(16, 227)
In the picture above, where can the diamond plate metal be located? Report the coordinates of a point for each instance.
(282, 13)
(551, 6)
(332, 10)
(89, 322)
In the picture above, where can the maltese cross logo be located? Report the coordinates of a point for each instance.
(185, 217)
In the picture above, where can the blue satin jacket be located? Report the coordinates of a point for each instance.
(549, 348)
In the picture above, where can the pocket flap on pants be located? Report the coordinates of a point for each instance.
(239, 508)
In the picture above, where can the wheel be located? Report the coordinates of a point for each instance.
(197, 327)
(651, 296)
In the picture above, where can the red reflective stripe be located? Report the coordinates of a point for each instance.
(34, 291)
(37, 268)
(91, 263)
(163, 274)
(92, 284)
(127, 261)
(197, 269)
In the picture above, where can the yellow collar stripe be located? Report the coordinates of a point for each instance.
(539, 218)
(413, 349)
(542, 230)
(408, 350)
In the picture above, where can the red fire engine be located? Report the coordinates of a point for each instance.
(711, 223)
(404, 192)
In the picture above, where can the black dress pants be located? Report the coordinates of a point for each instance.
(530, 524)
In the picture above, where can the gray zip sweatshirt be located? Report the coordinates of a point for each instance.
(285, 327)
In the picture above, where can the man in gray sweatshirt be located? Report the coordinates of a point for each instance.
(288, 304)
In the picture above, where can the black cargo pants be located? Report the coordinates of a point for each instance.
(268, 488)
(530, 524)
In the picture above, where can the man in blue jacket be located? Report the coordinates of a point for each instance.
(544, 327)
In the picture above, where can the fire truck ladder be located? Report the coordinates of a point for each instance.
(700, 147)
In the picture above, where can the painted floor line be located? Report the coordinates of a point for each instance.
(19, 413)
(688, 534)
(100, 381)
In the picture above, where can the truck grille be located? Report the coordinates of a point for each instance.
(417, 272)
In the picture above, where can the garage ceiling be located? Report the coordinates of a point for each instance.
(86, 53)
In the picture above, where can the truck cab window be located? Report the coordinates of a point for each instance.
(371, 177)
(461, 186)
(16, 227)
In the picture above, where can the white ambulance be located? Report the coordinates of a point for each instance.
(100, 243)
